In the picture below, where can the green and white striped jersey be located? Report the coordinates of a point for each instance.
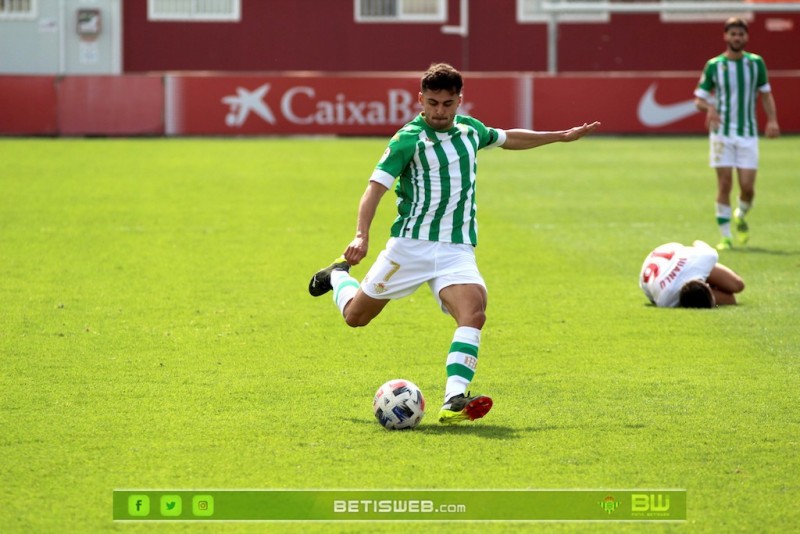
(436, 186)
(733, 85)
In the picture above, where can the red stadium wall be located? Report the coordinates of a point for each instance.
(292, 35)
(111, 105)
(380, 104)
(642, 104)
(31, 105)
(357, 104)
(82, 105)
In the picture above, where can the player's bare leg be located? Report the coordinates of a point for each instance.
(357, 308)
(362, 309)
(723, 208)
(725, 283)
(747, 182)
(467, 304)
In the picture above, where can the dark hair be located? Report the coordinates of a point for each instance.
(736, 22)
(696, 294)
(441, 76)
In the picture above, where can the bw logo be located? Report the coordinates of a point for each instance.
(649, 503)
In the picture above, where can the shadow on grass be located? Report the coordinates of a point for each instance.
(484, 430)
(759, 250)
(488, 431)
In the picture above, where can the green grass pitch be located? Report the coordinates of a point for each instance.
(156, 332)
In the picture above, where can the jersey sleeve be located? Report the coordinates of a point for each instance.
(762, 81)
(705, 87)
(487, 137)
(497, 137)
(395, 158)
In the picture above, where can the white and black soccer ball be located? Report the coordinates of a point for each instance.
(398, 404)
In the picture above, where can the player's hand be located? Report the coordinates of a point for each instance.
(772, 129)
(577, 132)
(356, 250)
(712, 119)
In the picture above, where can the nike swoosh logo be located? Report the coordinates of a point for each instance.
(653, 114)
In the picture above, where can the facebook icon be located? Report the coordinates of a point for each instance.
(138, 505)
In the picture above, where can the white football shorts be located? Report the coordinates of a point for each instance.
(734, 151)
(405, 264)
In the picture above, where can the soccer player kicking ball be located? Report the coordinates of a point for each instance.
(433, 157)
(677, 276)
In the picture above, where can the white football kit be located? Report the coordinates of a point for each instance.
(670, 266)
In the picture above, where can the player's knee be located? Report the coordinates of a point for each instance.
(481, 319)
(356, 320)
(476, 319)
(738, 285)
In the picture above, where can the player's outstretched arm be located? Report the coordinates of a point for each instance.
(521, 139)
(359, 246)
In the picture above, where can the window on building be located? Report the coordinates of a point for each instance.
(531, 11)
(17, 9)
(195, 10)
(707, 15)
(401, 10)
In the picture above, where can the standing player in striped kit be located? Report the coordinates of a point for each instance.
(433, 238)
(727, 93)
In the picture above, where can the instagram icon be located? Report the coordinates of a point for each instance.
(203, 505)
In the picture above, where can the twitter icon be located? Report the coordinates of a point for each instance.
(171, 505)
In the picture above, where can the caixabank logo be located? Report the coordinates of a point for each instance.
(302, 105)
(317, 104)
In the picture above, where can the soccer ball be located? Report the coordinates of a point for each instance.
(398, 404)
